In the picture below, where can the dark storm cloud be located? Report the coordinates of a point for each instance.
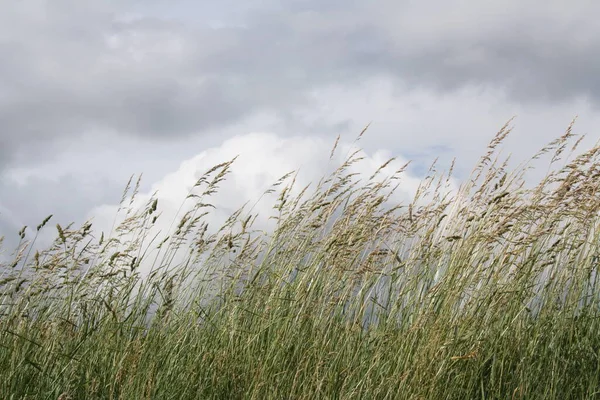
(68, 67)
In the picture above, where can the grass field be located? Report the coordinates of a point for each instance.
(488, 293)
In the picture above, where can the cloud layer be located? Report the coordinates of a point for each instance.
(70, 67)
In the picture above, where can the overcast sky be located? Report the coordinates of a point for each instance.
(92, 91)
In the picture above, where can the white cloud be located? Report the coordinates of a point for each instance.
(263, 159)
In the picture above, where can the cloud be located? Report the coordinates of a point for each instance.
(263, 159)
(419, 125)
(71, 67)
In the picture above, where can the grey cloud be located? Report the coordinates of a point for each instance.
(30, 203)
(91, 68)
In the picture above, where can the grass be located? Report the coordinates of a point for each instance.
(487, 293)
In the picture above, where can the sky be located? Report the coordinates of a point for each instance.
(93, 91)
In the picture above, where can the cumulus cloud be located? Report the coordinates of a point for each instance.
(263, 159)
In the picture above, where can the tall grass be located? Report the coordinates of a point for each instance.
(489, 292)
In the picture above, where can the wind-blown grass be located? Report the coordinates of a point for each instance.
(490, 292)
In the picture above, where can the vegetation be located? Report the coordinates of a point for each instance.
(488, 292)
